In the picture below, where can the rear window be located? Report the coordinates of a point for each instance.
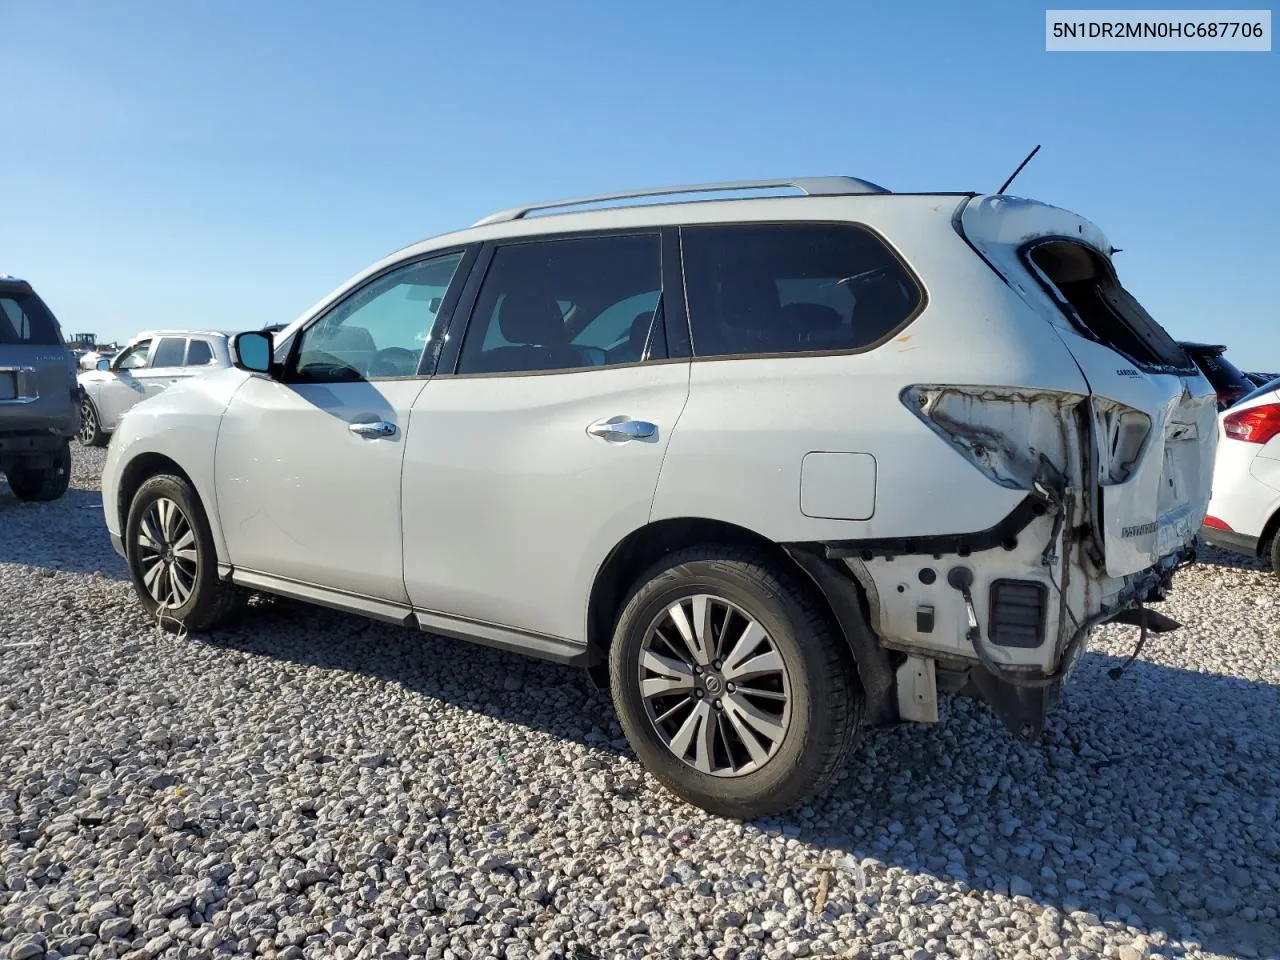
(1090, 294)
(199, 353)
(169, 352)
(25, 319)
(784, 288)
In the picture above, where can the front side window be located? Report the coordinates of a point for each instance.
(565, 305)
(169, 352)
(199, 353)
(380, 330)
(134, 356)
(25, 319)
(792, 288)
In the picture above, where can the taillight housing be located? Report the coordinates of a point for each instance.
(1253, 425)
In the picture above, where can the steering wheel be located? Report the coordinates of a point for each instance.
(394, 362)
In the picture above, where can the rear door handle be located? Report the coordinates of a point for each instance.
(620, 429)
(379, 429)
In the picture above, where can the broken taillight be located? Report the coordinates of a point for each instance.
(1122, 434)
(1254, 425)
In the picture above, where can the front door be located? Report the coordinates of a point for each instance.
(529, 464)
(308, 465)
(121, 385)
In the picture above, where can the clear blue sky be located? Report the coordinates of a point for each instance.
(227, 163)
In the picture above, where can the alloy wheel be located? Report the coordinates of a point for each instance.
(88, 423)
(715, 686)
(167, 553)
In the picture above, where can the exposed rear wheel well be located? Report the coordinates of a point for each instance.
(644, 547)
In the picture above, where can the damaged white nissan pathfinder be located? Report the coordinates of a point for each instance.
(774, 468)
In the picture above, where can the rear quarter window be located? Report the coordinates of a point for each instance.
(24, 319)
(793, 288)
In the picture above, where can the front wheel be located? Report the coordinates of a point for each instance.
(171, 557)
(731, 684)
(47, 481)
(1275, 553)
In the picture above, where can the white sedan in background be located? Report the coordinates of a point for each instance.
(1244, 513)
(149, 363)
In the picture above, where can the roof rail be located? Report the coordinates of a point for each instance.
(810, 186)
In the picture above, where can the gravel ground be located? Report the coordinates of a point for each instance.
(312, 785)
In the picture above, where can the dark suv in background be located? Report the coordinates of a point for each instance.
(1227, 379)
(39, 398)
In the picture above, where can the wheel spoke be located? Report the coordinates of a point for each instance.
(185, 541)
(684, 736)
(181, 586)
(166, 519)
(759, 753)
(149, 530)
(757, 666)
(685, 629)
(702, 632)
(668, 714)
(151, 578)
(741, 708)
(743, 647)
(704, 745)
(673, 676)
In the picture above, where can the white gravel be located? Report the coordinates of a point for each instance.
(313, 785)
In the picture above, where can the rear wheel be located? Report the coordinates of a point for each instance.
(1275, 554)
(91, 434)
(46, 479)
(731, 684)
(171, 557)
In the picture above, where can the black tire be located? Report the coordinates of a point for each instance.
(91, 433)
(826, 699)
(208, 601)
(43, 483)
(1275, 554)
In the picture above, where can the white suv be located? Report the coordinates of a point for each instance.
(774, 468)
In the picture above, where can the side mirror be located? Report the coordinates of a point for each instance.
(103, 364)
(253, 351)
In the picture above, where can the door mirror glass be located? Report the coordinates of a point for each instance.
(253, 351)
(103, 364)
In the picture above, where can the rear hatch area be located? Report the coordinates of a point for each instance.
(1154, 415)
(37, 372)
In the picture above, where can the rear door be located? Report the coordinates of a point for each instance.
(166, 366)
(537, 449)
(1154, 413)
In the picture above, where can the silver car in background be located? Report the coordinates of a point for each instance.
(151, 362)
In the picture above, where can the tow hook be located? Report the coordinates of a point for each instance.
(1148, 621)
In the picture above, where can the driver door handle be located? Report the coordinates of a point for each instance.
(621, 429)
(379, 429)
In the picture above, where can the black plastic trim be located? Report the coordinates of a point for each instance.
(1002, 534)
(998, 602)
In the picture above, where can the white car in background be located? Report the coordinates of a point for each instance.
(1244, 513)
(148, 364)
